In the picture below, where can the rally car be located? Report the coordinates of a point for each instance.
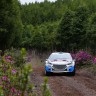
(60, 62)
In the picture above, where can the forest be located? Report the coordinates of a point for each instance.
(63, 25)
(29, 32)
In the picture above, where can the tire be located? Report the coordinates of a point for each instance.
(47, 73)
(73, 73)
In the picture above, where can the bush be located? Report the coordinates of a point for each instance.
(14, 79)
(94, 60)
(83, 58)
(45, 90)
(15, 75)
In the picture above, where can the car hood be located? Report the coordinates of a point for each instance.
(59, 62)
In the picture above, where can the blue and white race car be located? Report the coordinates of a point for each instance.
(60, 62)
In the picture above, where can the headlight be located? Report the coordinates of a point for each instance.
(69, 63)
(49, 63)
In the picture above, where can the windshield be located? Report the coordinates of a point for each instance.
(64, 56)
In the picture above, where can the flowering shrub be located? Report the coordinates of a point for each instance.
(14, 74)
(94, 60)
(83, 58)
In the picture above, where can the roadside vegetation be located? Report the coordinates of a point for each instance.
(85, 60)
(15, 75)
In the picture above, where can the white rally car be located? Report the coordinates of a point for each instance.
(60, 62)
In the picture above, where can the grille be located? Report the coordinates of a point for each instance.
(59, 67)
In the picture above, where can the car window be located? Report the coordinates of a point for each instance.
(64, 56)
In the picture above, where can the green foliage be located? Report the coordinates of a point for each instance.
(72, 29)
(10, 24)
(14, 80)
(92, 69)
(63, 24)
(38, 13)
(79, 27)
(91, 32)
(41, 37)
(46, 91)
(65, 30)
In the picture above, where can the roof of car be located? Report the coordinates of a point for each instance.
(60, 52)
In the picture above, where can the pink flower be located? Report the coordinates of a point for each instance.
(14, 71)
(13, 90)
(18, 93)
(4, 78)
(4, 69)
(8, 59)
(94, 61)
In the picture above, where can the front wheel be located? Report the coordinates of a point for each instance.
(73, 73)
(47, 73)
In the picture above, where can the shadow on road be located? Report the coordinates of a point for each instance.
(58, 74)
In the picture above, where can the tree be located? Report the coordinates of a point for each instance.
(10, 24)
(42, 32)
(91, 33)
(79, 27)
(27, 36)
(64, 31)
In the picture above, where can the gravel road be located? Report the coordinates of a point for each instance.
(82, 84)
(65, 85)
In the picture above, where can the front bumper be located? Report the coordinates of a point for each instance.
(60, 69)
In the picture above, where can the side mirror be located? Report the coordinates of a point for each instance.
(46, 60)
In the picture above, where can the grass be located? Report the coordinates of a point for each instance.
(89, 68)
(92, 69)
(37, 59)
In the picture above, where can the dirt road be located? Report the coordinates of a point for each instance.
(64, 85)
(82, 84)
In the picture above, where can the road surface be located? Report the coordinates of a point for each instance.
(63, 84)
